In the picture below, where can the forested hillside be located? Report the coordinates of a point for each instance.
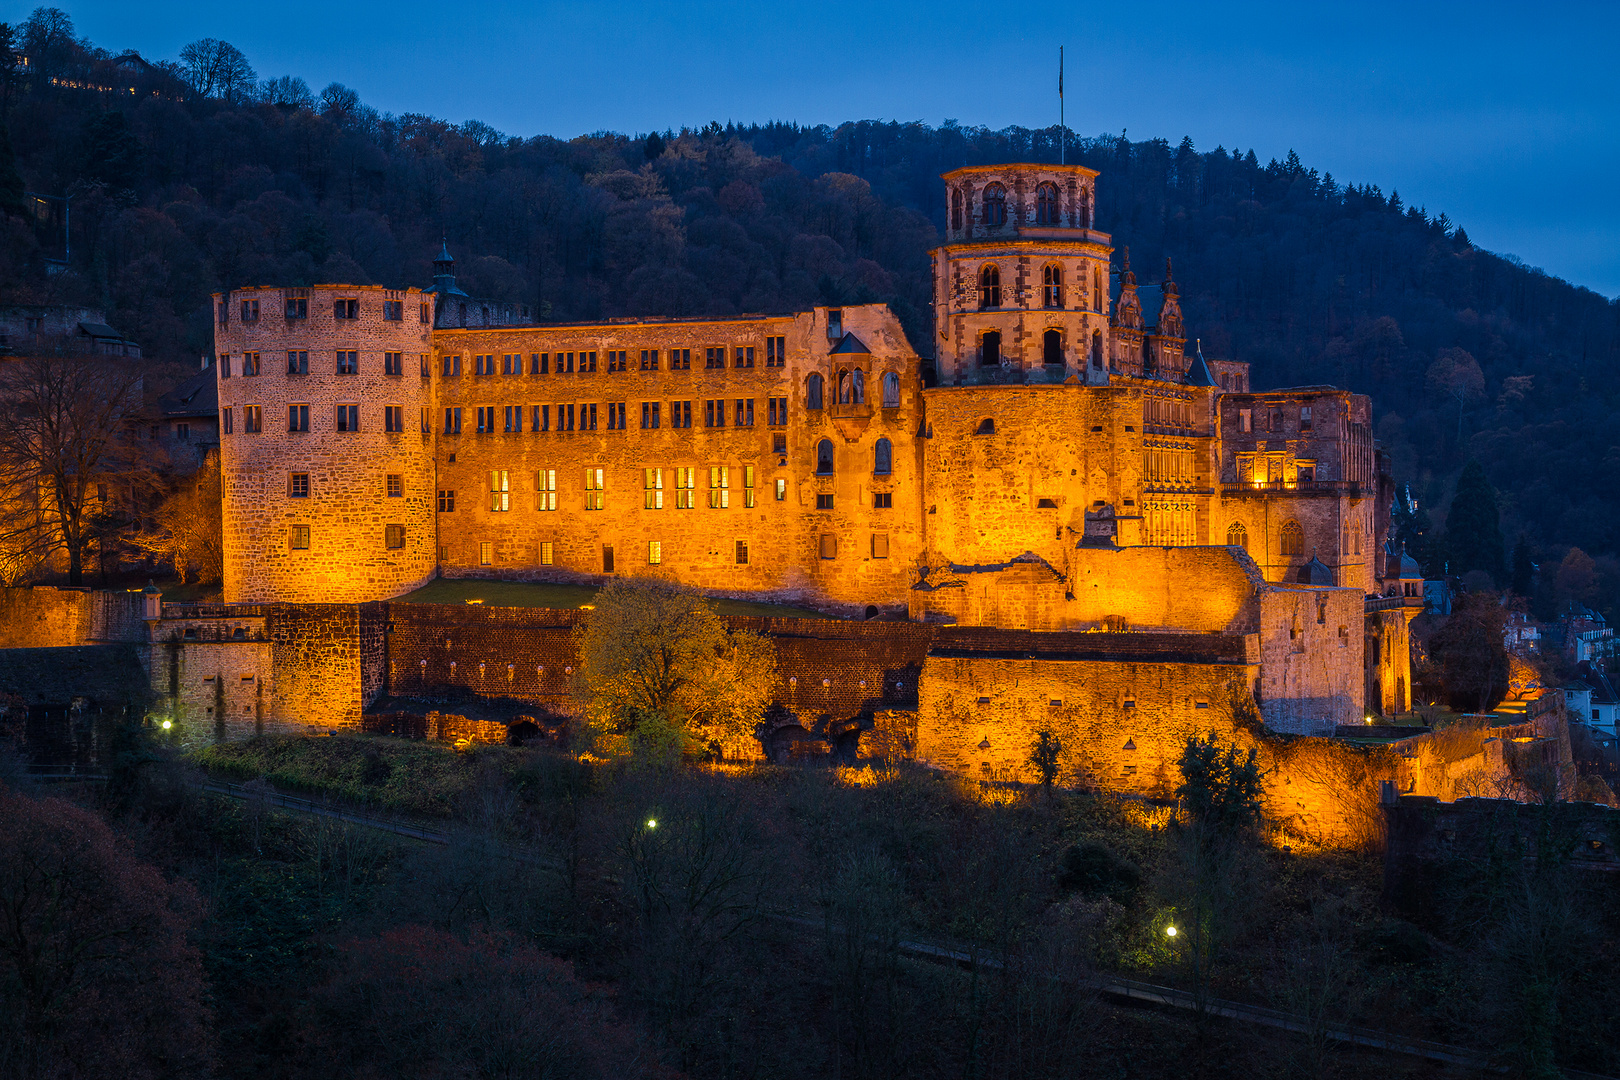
(197, 176)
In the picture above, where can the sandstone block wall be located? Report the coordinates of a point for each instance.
(1311, 664)
(317, 657)
(45, 617)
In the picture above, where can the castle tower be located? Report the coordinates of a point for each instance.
(1021, 282)
(326, 448)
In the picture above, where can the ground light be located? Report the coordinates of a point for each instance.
(652, 823)
(167, 724)
(1170, 931)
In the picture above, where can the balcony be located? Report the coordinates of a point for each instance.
(1392, 603)
(1352, 488)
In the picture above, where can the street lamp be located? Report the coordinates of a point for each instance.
(1170, 931)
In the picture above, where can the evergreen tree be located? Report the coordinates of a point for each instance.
(11, 181)
(1473, 526)
(1523, 567)
(654, 148)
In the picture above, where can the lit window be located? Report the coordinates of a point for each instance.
(781, 489)
(719, 487)
(685, 481)
(545, 553)
(298, 537)
(742, 553)
(486, 553)
(748, 486)
(447, 500)
(652, 483)
(396, 486)
(545, 487)
(500, 491)
(394, 536)
(593, 489)
(655, 552)
(298, 485)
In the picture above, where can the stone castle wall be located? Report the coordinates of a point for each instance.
(350, 501)
(45, 617)
(1311, 642)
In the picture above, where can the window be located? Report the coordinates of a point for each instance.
(393, 363)
(225, 421)
(1097, 295)
(540, 418)
(776, 352)
(956, 208)
(298, 418)
(742, 553)
(680, 359)
(394, 537)
(484, 365)
(616, 416)
(987, 426)
(990, 349)
(649, 359)
(1237, 536)
(835, 323)
(452, 421)
(680, 414)
(883, 500)
(617, 360)
(252, 419)
(486, 419)
(745, 413)
(427, 421)
(565, 364)
(348, 362)
(813, 392)
(250, 311)
(486, 553)
(1052, 348)
(297, 307)
(422, 314)
(298, 362)
(891, 390)
(685, 481)
(298, 485)
(714, 413)
(652, 489)
(545, 489)
(883, 458)
(224, 318)
(824, 458)
(748, 486)
(1276, 420)
(250, 363)
(395, 485)
(1245, 420)
(593, 489)
(514, 420)
(880, 545)
(719, 487)
(1306, 471)
(587, 417)
(346, 309)
(587, 363)
(824, 501)
(1052, 286)
(779, 445)
(348, 418)
(539, 363)
(451, 365)
(744, 357)
(298, 537)
(1096, 349)
(394, 310)
(781, 489)
(852, 387)
(1293, 539)
(1305, 418)
(655, 552)
(500, 491)
(511, 365)
(995, 205)
(829, 546)
(715, 358)
(224, 365)
(393, 418)
(776, 412)
(447, 500)
(607, 558)
(990, 287)
(545, 553)
(1046, 205)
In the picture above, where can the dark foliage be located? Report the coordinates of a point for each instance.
(1095, 871)
(1473, 526)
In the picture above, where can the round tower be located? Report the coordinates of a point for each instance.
(326, 448)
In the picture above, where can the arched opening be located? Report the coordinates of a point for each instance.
(858, 387)
(523, 732)
(1096, 349)
(846, 388)
(956, 209)
(1046, 205)
(891, 390)
(883, 458)
(990, 349)
(1052, 286)
(813, 392)
(987, 426)
(990, 287)
(1237, 536)
(1292, 541)
(1052, 347)
(871, 611)
(995, 205)
(824, 458)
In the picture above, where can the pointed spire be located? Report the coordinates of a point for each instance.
(1125, 275)
(1170, 288)
(1198, 372)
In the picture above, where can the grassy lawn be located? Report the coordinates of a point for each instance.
(544, 595)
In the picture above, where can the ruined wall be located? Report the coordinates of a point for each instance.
(1311, 669)
(46, 617)
(851, 551)
(316, 651)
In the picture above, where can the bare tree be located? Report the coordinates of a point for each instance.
(187, 529)
(67, 423)
(218, 69)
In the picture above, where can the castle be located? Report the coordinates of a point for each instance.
(1066, 471)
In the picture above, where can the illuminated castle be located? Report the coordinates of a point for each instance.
(1067, 465)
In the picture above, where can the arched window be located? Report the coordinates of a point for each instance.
(846, 393)
(995, 205)
(1052, 286)
(891, 390)
(990, 287)
(824, 457)
(1149, 363)
(1052, 350)
(1046, 205)
(813, 388)
(1237, 536)
(956, 209)
(990, 349)
(883, 458)
(1096, 349)
(859, 378)
(1293, 539)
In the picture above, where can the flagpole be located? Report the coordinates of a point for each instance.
(1063, 133)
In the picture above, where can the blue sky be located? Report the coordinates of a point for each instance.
(1505, 116)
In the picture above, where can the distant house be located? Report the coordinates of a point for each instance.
(59, 328)
(1522, 635)
(1593, 698)
(1588, 637)
(187, 418)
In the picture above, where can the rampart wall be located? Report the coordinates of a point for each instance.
(44, 617)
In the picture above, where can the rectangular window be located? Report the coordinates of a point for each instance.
(781, 489)
(348, 362)
(514, 419)
(511, 365)
(427, 421)
(652, 489)
(483, 365)
(297, 307)
(587, 363)
(649, 414)
(587, 417)
(714, 413)
(250, 363)
(880, 545)
(423, 315)
(298, 485)
(346, 309)
(607, 558)
(393, 363)
(224, 365)
(824, 501)
(680, 359)
(745, 412)
(539, 363)
(775, 351)
(779, 445)
(452, 421)
(394, 310)
(450, 365)
(540, 418)
(224, 317)
(744, 357)
(545, 489)
(486, 419)
(298, 537)
(1307, 471)
(395, 485)
(776, 412)
(829, 546)
(1305, 418)
(742, 553)
(618, 361)
(565, 418)
(252, 419)
(615, 416)
(486, 553)
(348, 418)
(680, 414)
(298, 362)
(250, 311)
(593, 489)
(298, 418)
(394, 537)
(882, 500)
(500, 491)
(685, 481)
(565, 363)
(1276, 420)
(716, 358)
(225, 421)
(545, 553)
(447, 500)
(393, 418)
(719, 487)
(649, 359)
(655, 552)
(426, 364)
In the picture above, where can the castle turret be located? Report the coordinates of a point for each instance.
(326, 449)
